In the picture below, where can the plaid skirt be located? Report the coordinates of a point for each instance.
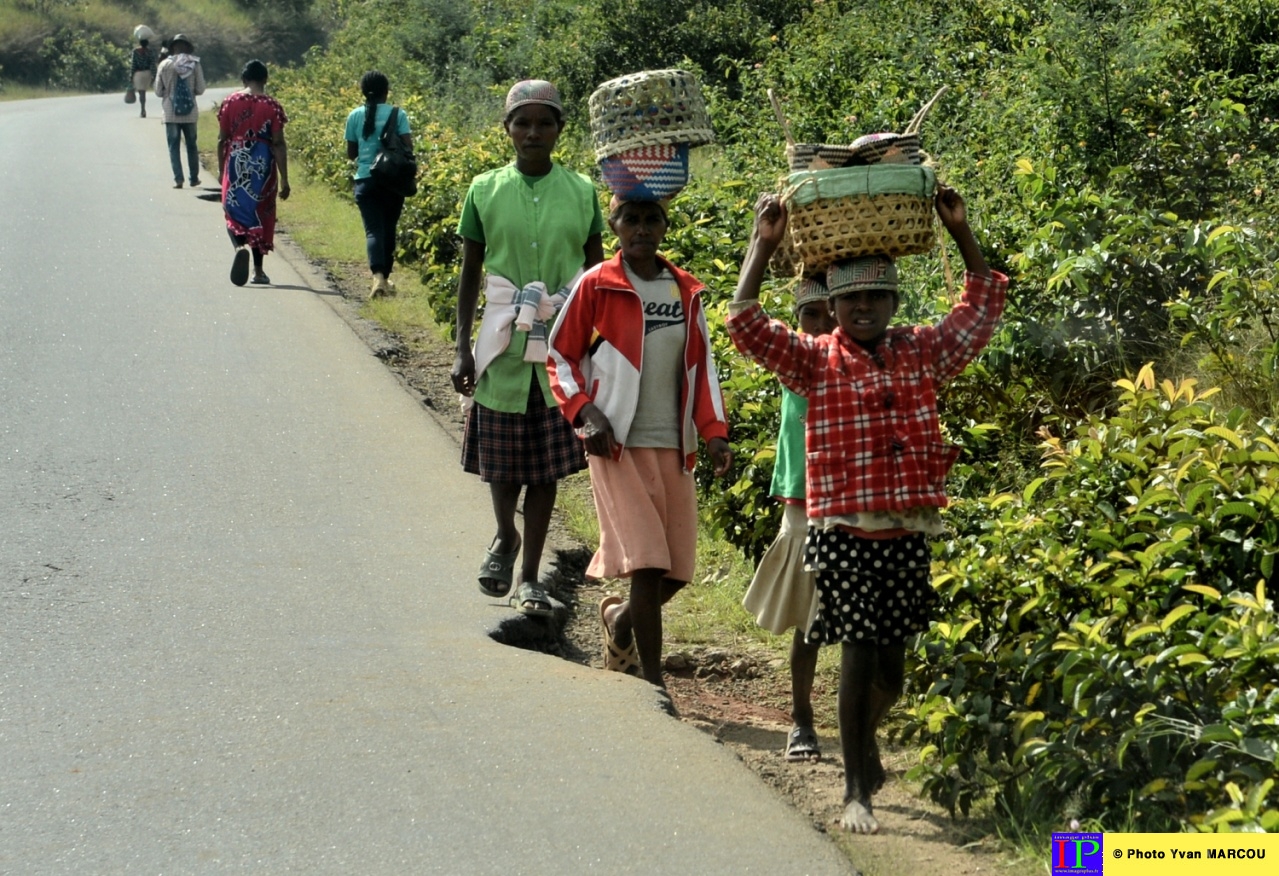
(537, 447)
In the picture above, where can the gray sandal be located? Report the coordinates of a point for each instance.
(500, 568)
(531, 600)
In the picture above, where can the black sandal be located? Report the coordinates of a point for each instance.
(802, 746)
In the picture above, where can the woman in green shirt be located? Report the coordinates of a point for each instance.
(529, 229)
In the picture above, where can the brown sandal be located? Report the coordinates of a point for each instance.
(617, 659)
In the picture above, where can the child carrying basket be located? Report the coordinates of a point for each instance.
(631, 366)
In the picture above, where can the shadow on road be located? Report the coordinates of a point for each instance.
(547, 634)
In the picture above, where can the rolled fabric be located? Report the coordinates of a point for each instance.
(533, 307)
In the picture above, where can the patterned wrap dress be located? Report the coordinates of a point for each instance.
(249, 181)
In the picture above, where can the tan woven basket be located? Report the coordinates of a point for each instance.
(847, 212)
(652, 108)
(785, 262)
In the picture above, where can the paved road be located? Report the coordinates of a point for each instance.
(238, 630)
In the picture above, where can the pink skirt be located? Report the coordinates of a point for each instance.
(647, 508)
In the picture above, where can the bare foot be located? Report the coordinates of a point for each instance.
(858, 818)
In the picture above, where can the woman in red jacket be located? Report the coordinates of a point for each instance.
(630, 364)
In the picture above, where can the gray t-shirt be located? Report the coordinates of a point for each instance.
(657, 418)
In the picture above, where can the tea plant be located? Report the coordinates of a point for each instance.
(1108, 648)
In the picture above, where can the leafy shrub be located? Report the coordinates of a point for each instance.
(1235, 320)
(1109, 651)
(84, 61)
(226, 32)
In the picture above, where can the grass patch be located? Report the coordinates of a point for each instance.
(577, 507)
(327, 226)
(709, 611)
(14, 21)
(19, 91)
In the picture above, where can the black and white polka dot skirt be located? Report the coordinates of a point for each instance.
(877, 591)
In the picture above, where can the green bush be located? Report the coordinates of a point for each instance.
(1108, 650)
(85, 33)
(81, 61)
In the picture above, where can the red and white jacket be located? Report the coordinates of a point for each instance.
(597, 351)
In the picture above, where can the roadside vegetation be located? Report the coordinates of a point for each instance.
(1105, 652)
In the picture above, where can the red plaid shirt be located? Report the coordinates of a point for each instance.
(872, 436)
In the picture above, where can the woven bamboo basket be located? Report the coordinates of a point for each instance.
(855, 211)
(859, 206)
(652, 108)
(785, 262)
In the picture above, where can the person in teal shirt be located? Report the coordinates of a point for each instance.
(380, 208)
(782, 594)
(529, 229)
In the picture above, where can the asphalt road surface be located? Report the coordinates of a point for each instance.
(239, 630)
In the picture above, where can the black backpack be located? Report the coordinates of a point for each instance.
(394, 167)
(183, 100)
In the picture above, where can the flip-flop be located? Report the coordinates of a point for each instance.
(500, 568)
(240, 266)
(616, 659)
(531, 600)
(802, 746)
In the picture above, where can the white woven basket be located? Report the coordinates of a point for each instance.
(652, 108)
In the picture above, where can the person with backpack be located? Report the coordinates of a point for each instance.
(178, 83)
(380, 206)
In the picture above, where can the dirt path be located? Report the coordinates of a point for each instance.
(738, 697)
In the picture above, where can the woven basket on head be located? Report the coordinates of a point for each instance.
(653, 108)
(872, 149)
(854, 211)
(785, 262)
(647, 173)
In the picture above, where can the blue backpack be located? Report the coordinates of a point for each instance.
(183, 100)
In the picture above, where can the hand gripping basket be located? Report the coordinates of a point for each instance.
(854, 211)
(653, 108)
